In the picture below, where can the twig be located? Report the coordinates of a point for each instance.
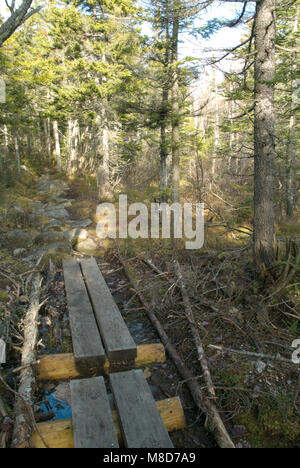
(18, 369)
(10, 279)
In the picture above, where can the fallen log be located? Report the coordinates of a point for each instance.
(59, 434)
(216, 425)
(62, 366)
(195, 332)
(23, 406)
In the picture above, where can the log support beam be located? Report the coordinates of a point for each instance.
(62, 366)
(59, 434)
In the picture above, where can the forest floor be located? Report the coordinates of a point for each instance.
(258, 398)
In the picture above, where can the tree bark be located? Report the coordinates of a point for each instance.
(164, 112)
(18, 160)
(72, 146)
(264, 123)
(57, 145)
(175, 118)
(292, 152)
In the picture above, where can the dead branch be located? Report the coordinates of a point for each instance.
(23, 424)
(250, 353)
(216, 424)
(195, 332)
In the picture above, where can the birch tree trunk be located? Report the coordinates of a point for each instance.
(264, 145)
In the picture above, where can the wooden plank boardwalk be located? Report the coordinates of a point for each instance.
(101, 339)
(93, 423)
(118, 342)
(87, 345)
(141, 424)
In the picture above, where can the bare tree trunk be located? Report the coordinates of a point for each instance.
(175, 117)
(264, 145)
(217, 139)
(18, 160)
(72, 146)
(57, 145)
(103, 171)
(292, 153)
(164, 115)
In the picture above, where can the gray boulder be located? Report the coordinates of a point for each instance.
(19, 238)
(87, 247)
(56, 212)
(48, 237)
(53, 224)
(55, 248)
(48, 185)
(80, 224)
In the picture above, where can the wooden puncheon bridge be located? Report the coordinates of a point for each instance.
(103, 345)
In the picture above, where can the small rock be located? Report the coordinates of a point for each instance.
(18, 252)
(260, 367)
(88, 247)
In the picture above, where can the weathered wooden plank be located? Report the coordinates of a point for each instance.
(93, 424)
(62, 366)
(87, 345)
(116, 337)
(141, 424)
(2, 352)
(59, 434)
